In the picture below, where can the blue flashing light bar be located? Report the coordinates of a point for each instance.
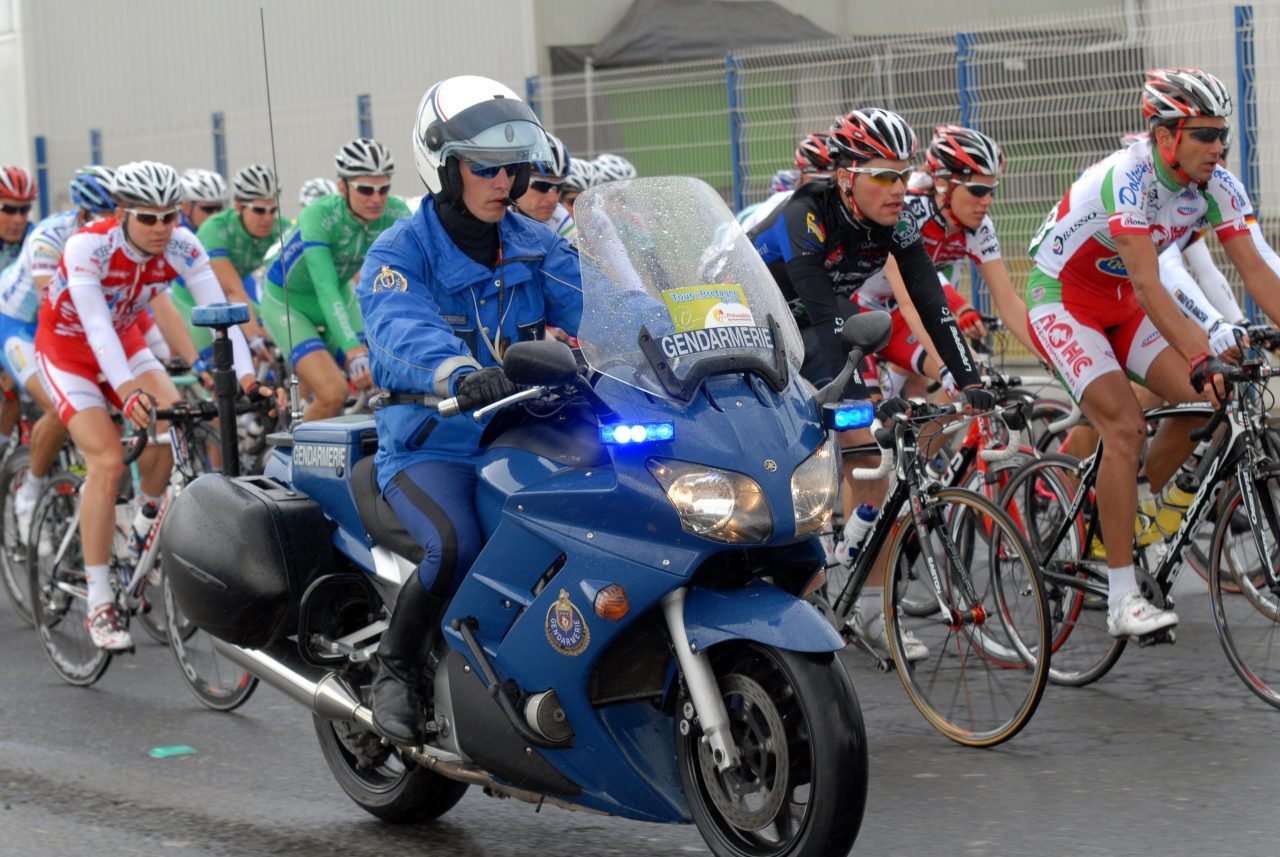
(848, 415)
(629, 434)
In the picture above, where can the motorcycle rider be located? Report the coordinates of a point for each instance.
(442, 294)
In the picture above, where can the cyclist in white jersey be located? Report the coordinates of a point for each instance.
(21, 286)
(541, 201)
(88, 330)
(1098, 309)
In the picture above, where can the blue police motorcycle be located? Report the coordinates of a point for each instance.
(633, 638)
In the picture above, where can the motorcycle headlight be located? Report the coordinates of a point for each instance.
(717, 504)
(815, 485)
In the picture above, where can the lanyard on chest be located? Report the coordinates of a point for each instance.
(495, 345)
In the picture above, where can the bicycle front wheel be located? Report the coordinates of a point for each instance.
(59, 595)
(213, 679)
(1248, 620)
(1073, 568)
(13, 544)
(988, 641)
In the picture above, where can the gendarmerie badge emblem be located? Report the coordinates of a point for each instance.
(566, 628)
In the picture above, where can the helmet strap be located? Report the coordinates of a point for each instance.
(1170, 155)
(124, 227)
(942, 198)
(846, 193)
(346, 198)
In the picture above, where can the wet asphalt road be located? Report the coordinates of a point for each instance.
(1167, 755)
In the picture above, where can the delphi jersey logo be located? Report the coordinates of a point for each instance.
(1059, 337)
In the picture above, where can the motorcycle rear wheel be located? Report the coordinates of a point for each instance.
(379, 779)
(801, 787)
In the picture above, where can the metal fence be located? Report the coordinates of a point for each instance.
(1057, 93)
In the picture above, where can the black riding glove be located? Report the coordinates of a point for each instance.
(483, 387)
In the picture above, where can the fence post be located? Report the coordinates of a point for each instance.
(95, 146)
(531, 92)
(364, 115)
(588, 85)
(42, 176)
(1245, 68)
(735, 128)
(967, 82)
(220, 144)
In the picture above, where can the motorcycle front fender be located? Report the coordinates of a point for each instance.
(760, 612)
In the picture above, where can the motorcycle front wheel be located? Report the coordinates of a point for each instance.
(801, 785)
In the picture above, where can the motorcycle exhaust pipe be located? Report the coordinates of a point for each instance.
(328, 696)
(324, 693)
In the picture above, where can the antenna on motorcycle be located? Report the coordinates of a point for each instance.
(295, 405)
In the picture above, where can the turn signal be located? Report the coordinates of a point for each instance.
(611, 603)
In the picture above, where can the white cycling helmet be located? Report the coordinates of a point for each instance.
(364, 157)
(255, 182)
(1180, 93)
(203, 186)
(148, 184)
(558, 166)
(612, 168)
(581, 176)
(313, 189)
(481, 121)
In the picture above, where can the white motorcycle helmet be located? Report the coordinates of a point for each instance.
(476, 119)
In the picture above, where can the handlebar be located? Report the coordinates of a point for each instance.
(922, 412)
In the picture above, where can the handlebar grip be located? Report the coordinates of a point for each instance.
(449, 407)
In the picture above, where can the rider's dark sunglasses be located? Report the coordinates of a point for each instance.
(150, 218)
(490, 172)
(210, 207)
(371, 189)
(883, 175)
(15, 209)
(1209, 135)
(978, 189)
(263, 209)
(545, 187)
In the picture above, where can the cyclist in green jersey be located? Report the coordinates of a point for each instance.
(319, 257)
(237, 241)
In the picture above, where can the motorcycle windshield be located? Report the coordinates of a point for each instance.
(674, 291)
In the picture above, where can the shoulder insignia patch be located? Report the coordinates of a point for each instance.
(388, 280)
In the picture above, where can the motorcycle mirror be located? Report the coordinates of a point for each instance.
(543, 363)
(868, 331)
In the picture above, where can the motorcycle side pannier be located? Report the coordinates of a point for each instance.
(239, 553)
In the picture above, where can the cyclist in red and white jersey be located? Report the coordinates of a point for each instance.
(88, 330)
(1098, 309)
(949, 204)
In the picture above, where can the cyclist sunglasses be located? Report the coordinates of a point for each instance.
(978, 189)
(15, 209)
(1209, 135)
(371, 189)
(150, 218)
(545, 187)
(883, 175)
(263, 209)
(211, 207)
(490, 172)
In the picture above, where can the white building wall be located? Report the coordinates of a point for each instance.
(15, 142)
(173, 63)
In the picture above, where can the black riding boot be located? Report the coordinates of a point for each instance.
(403, 654)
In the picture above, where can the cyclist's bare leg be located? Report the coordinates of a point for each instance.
(319, 371)
(10, 407)
(1168, 380)
(99, 442)
(1082, 440)
(48, 432)
(1113, 410)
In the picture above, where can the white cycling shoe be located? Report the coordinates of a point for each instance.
(875, 633)
(1135, 616)
(107, 629)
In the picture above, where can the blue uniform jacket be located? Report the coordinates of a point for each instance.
(428, 309)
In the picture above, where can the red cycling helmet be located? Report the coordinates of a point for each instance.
(873, 133)
(813, 154)
(962, 151)
(16, 183)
